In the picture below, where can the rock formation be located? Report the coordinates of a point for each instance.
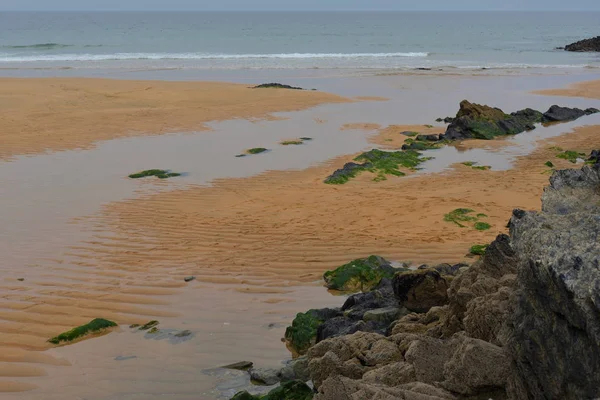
(592, 44)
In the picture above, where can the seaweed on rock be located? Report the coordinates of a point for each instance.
(96, 325)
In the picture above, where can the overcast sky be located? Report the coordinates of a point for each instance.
(299, 5)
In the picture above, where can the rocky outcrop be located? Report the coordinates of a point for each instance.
(521, 323)
(592, 44)
(360, 275)
(563, 114)
(555, 326)
(475, 121)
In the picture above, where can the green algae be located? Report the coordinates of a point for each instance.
(549, 164)
(469, 163)
(482, 226)
(159, 173)
(291, 142)
(464, 216)
(149, 325)
(96, 325)
(570, 155)
(482, 167)
(478, 249)
(256, 150)
(276, 86)
(301, 335)
(460, 215)
(290, 390)
(362, 274)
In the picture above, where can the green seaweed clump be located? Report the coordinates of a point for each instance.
(459, 216)
(388, 162)
(362, 274)
(570, 155)
(96, 325)
(301, 335)
(290, 390)
(478, 249)
(159, 173)
(482, 226)
(464, 216)
(482, 167)
(276, 86)
(549, 164)
(256, 150)
(469, 163)
(149, 325)
(291, 142)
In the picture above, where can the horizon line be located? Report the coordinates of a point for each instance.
(294, 10)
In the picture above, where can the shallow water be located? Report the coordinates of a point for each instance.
(40, 196)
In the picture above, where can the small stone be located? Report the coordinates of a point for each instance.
(134, 326)
(240, 366)
(124, 358)
(149, 325)
(183, 333)
(21, 279)
(388, 314)
(265, 376)
(189, 278)
(153, 330)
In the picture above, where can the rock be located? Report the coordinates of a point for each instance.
(359, 275)
(428, 356)
(555, 326)
(421, 289)
(349, 170)
(431, 138)
(395, 374)
(292, 390)
(559, 114)
(384, 315)
(448, 120)
(182, 334)
(189, 278)
(382, 296)
(592, 44)
(477, 367)
(295, 370)
(302, 334)
(276, 86)
(594, 157)
(264, 376)
(240, 366)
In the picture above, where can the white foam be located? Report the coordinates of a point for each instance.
(6, 57)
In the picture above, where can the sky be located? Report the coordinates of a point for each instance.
(259, 5)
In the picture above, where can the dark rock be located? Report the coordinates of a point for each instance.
(592, 44)
(430, 138)
(362, 274)
(341, 326)
(292, 390)
(296, 369)
(189, 278)
(448, 120)
(182, 334)
(594, 157)
(264, 376)
(302, 334)
(348, 171)
(240, 366)
(125, 358)
(555, 327)
(560, 114)
(382, 296)
(276, 86)
(421, 289)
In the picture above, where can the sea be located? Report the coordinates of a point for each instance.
(295, 40)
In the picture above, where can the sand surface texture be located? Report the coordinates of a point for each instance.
(39, 115)
(257, 236)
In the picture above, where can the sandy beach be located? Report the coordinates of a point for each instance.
(257, 245)
(41, 115)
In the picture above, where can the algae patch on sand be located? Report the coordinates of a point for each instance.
(159, 173)
(478, 249)
(464, 216)
(96, 325)
(571, 156)
(379, 162)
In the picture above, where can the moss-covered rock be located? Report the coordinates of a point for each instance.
(159, 173)
(362, 274)
(379, 162)
(291, 142)
(256, 150)
(302, 334)
(276, 86)
(291, 390)
(96, 325)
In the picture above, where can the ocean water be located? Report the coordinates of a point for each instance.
(300, 40)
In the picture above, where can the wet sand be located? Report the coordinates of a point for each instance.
(258, 247)
(589, 89)
(54, 114)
